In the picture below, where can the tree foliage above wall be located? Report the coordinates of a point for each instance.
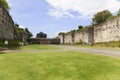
(118, 14)
(6, 5)
(101, 16)
(80, 27)
(19, 31)
(28, 32)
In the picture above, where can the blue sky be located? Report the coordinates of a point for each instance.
(53, 16)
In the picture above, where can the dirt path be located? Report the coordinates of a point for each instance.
(95, 51)
(68, 48)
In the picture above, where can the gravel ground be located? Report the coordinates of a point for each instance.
(95, 51)
(68, 48)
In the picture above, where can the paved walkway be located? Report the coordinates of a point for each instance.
(95, 51)
(68, 48)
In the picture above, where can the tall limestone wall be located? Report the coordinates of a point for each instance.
(82, 36)
(105, 32)
(6, 24)
(68, 38)
(61, 37)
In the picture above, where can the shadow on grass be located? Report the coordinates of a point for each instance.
(2, 52)
(14, 48)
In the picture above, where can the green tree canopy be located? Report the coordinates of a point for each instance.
(118, 14)
(80, 27)
(6, 5)
(73, 30)
(29, 33)
(101, 16)
(41, 35)
(19, 31)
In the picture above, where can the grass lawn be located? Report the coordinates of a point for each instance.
(39, 47)
(65, 65)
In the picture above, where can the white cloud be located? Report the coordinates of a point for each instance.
(59, 13)
(85, 8)
(21, 26)
(9, 2)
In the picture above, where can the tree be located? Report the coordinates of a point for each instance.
(6, 5)
(19, 31)
(118, 14)
(16, 31)
(101, 16)
(41, 35)
(80, 27)
(73, 30)
(29, 33)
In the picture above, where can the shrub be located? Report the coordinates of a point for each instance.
(1, 43)
(11, 43)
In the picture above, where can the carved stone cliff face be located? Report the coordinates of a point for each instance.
(6, 24)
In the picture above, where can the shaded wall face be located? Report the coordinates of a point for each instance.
(24, 37)
(108, 31)
(84, 36)
(77, 37)
(80, 37)
(68, 38)
(91, 36)
(6, 24)
(61, 37)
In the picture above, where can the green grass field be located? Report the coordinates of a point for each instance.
(39, 47)
(65, 65)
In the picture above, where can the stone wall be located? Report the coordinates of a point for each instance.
(82, 36)
(68, 38)
(105, 32)
(61, 37)
(6, 24)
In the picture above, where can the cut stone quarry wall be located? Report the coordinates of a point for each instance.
(105, 32)
(6, 24)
